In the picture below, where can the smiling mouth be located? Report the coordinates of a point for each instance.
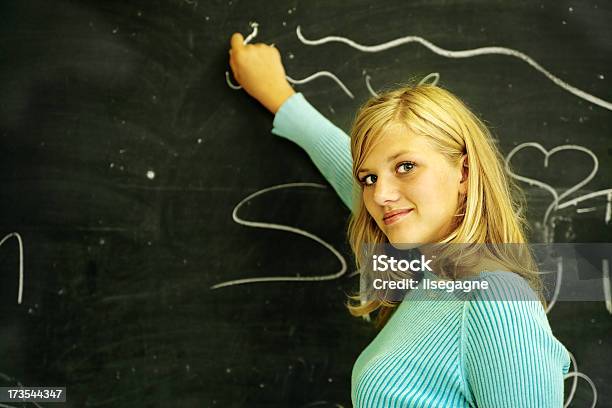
(396, 217)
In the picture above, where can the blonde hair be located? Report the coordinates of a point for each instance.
(492, 210)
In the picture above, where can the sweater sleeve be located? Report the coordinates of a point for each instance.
(511, 358)
(327, 145)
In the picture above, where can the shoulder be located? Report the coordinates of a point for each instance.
(507, 303)
(504, 286)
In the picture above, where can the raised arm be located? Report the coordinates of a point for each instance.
(259, 69)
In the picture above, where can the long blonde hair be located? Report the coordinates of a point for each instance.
(492, 210)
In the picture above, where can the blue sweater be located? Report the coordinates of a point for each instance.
(437, 350)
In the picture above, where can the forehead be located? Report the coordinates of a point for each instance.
(394, 139)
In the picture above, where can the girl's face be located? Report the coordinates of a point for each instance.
(410, 189)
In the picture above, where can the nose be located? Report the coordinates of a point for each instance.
(385, 191)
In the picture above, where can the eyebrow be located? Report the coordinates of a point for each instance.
(389, 159)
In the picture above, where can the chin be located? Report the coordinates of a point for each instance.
(404, 246)
(400, 241)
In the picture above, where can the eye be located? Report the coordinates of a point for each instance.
(368, 180)
(405, 167)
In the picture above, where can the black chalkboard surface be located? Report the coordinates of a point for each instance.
(125, 152)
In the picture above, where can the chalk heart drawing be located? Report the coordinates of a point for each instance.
(547, 154)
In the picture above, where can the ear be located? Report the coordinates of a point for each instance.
(463, 165)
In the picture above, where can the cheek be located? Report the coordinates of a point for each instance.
(372, 208)
(436, 195)
(368, 201)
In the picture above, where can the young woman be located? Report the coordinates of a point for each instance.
(426, 171)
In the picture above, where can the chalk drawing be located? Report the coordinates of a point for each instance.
(606, 192)
(20, 244)
(555, 205)
(493, 50)
(533, 182)
(280, 227)
(369, 86)
(431, 79)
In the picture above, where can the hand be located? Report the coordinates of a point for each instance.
(259, 69)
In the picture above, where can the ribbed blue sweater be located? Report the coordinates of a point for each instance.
(438, 350)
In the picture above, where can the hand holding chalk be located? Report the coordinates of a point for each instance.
(259, 69)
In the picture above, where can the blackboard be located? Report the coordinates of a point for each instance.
(124, 154)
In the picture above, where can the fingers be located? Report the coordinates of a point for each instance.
(237, 41)
(233, 67)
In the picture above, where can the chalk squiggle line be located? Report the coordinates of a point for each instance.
(575, 374)
(369, 86)
(607, 290)
(570, 397)
(434, 75)
(20, 243)
(459, 54)
(302, 81)
(287, 228)
(320, 74)
(255, 26)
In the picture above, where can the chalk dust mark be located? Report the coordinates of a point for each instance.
(585, 210)
(281, 227)
(193, 3)
(20, 243)
(493, 50)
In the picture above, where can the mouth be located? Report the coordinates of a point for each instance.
(396, 216)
